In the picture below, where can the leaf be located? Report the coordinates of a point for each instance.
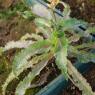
(82, 55)
(39, 8)
(74, 24)
(42, 22)
(27, 14)
(74, 38)
(85, 57)
(12, 76)
(61, 61)
(1, 50)
(8, 80)
(61, 57)
(41, 11)
(17, 44)
(91, 30)
(36, 37)
(79, 80)
(86, 45)
(26, 83)
(43, 78)
(21, 63)
(21, 58)
(46, 32)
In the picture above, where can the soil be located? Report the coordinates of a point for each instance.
(13, 27)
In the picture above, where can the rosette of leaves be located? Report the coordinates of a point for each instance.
(62, 40)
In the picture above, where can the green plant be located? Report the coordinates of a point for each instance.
(18, 9)
(61, 41)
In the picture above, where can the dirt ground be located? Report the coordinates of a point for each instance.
(82, 9)
(13, 26)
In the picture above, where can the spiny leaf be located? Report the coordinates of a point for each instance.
(26, 83)
(31, 36)
(8, 80)
(21, 58)
(73, 24)
(24, 64)
(74, 38)
(79, 80)
(82, 56)
(17, 44)
(45, 31)
(61, 61)
(85, 57)
(11, 76)
(61, 57)
(86, 45)
(42, 11)
(42, 22)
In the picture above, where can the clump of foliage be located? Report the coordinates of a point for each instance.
(17, 9)
(61, 40)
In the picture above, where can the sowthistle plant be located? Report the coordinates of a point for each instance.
(61, 40)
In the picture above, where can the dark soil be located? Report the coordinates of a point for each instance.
(83, 9)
